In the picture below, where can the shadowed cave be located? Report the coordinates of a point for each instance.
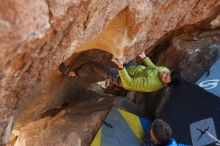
(69, 111)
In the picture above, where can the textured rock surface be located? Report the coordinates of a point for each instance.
(35, 36)
(191, 55)
(64, 131)
(75, 124)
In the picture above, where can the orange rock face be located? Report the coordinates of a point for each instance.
(36, 36)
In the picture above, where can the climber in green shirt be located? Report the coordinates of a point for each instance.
(144, 78)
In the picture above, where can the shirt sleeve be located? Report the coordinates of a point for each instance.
(125, 77)
(136, 83)
(148, 62)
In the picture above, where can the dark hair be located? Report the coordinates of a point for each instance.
(162, 132)
(175, 79)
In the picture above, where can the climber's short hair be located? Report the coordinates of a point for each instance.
(161, 131)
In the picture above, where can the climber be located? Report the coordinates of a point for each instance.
(160, 134)
(141, 78)
(147, 78)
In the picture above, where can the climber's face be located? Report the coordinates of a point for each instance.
(165, 77)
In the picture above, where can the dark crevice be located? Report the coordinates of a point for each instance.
(159, 49)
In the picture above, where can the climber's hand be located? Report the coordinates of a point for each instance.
(71, 74)
(142, 55)
(118, 63)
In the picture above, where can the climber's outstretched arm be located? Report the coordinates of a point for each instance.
(146, 60)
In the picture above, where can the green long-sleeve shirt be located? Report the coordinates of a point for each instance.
(142, 78)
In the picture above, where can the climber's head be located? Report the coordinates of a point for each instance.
(160, 132)
(165, 77)
(170, 78)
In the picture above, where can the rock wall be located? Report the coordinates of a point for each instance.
(191, 55)
(36, 36)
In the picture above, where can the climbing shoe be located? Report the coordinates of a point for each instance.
(64, 69)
